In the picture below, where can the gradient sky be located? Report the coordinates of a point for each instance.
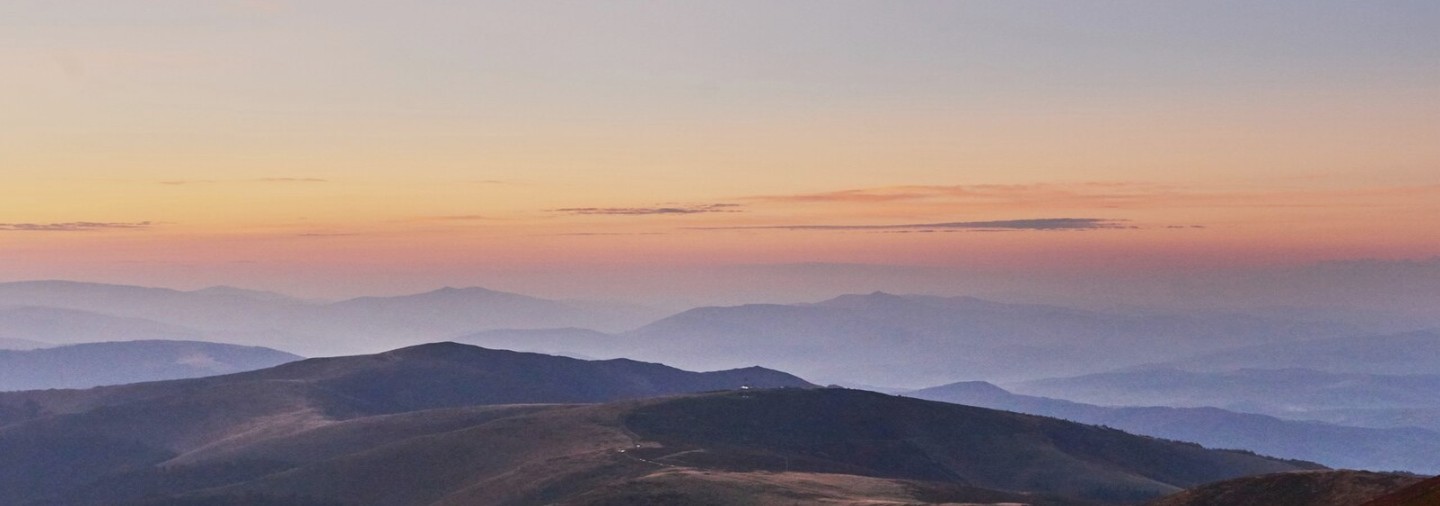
(341, 147)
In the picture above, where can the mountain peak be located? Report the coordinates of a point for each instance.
(971, 388)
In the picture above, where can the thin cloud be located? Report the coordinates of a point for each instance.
(1042, 224)
(457, 217)
(74, 226)
(291, 180)
(318, 235)
(1092, 194)
(642, 211)
(182, 182)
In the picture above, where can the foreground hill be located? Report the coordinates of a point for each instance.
(762, 447)
(1312, 488)
(1405, 449)
(1425, 493)
(54, 440)
(94, 364)
(453, 424)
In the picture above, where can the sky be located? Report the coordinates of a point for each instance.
(703, 150)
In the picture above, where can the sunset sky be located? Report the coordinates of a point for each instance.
(331, 148)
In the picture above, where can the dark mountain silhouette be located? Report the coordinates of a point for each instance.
(1309, 488)
(413, 426)
(908, 339)
(114, 363)
(1425, 493)
(1336, 446)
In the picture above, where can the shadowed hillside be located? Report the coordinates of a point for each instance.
(1314, 488)
(857, 432)
(1425, 493)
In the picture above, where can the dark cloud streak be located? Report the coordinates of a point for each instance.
(643, 211)
(74, 226)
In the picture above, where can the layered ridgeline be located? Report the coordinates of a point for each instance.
(95, 364)
(876, 338)
(888, 339)
(1406, 449)
(64, 312)
(39, 327)
(1416, 352)
(454, 424)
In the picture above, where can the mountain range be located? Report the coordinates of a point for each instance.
(876, 338)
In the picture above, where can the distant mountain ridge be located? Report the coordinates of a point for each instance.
(1271, 391)
(908, 339)
(1416, 352)
(113, 363)
(875, 338)
(7, 343)
(235, 315)
(1407, 449)
(56, 326)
